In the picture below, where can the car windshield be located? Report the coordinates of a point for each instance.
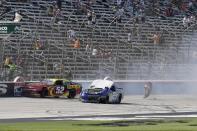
(58, 82)
(94, 90)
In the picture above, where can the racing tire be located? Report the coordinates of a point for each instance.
(119, 99)
(44, 93)
(72, 94)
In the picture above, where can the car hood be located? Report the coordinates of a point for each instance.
(101, 84)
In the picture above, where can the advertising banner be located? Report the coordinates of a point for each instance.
(11, 89)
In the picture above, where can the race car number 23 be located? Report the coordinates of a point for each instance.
(59, 89)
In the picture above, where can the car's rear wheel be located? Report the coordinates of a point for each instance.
(44, 93)
(72, 93)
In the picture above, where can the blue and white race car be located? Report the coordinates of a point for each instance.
(102, 91)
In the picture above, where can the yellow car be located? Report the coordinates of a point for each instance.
(53, 87)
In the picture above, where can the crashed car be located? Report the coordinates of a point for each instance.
(102, 91)
(53, 88)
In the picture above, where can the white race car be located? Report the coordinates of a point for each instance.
(102, 91)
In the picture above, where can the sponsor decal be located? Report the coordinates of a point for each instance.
(3, 29)
(59, 90)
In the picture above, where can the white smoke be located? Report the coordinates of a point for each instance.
(182, 66)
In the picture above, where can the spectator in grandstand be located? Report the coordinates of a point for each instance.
(7, 61)
(19, 61)
(62, 69)
(78, 5)
(192, 19)
(129, 7)
(50, 11)
(183, 7)
(177, 3)
(87, 48)
(84, 8)
(55, 66)
(17, 17)
(118, 15)
(54, 6)
(140, 16)
(169, 12)
(89, 16)
(154, 4)
(77, 43)
(192, 5)
(129, 37)
(186, 21)
(93, 18)
(5, 10)
(69, 75)
(12, 69)
(134, 30)
(57, 16)
(101, 53)
(114, 9)
(138, 31)
(71, 34)
(142, 3)
(94, 52)
(1, 2)
(109, 54)
(71, 37)
(81, 8)
(90, 3)
(59, 4)
(119, 3)
(156, 38)
(37, 45)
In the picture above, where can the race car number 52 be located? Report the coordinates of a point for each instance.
(59, 89)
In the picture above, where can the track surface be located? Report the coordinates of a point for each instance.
(28, 108)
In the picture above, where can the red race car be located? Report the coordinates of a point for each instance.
(53, 88)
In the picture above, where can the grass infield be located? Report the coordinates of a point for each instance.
(187, 124)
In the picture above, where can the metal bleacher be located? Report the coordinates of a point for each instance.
(138, 59)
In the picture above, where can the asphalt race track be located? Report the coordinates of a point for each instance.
(32, 109)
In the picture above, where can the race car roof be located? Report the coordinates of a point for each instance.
(52, 81)
(101, 84)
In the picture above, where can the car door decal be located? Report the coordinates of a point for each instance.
(59, 90)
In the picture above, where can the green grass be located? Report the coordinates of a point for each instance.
(133, 125)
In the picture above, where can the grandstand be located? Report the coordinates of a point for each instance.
(139, 58)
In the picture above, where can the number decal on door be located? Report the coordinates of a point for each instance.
(59, 90)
